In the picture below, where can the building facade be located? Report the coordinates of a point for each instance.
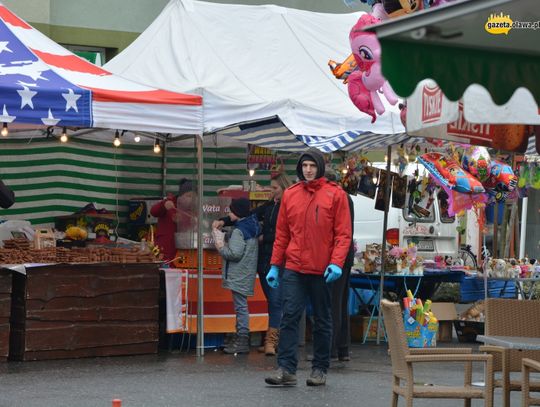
(105, 27)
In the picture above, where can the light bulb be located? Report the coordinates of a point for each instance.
(117, 141)
(157, 147)
(251, 172)
(64, 137)
(344, 171)
(137, 139)
(5, 130)
(374, 179)
(385, 158)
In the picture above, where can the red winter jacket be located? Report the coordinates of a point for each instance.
(313, 227)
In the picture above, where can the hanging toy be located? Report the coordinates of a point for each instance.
(449, 173)
(501, 179)
(366, 82)
(477, 161)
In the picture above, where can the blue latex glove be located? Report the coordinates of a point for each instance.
(332, 273)
(272, 278)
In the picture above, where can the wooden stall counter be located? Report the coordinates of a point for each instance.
(5, 312)
(84, 310)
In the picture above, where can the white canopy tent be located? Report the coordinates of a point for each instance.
(254, 64)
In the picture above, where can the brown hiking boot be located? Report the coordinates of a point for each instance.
(271, 341)
(281, 378)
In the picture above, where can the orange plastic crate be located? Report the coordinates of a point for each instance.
(187, 259)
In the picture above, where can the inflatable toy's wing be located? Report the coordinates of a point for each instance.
(344, 69)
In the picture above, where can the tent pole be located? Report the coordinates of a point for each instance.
(164, 170)
(495, 244)
(200, 274)
(385, 225)
(523, 233)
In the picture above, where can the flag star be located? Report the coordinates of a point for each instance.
(26, 97)
(50, 120)
(5, 117)
(3, 46)
(71, 100)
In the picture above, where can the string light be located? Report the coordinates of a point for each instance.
(117, 141)
(137, 139)
(157, 147)
(5, 130)
(64, 136)
(251, 169)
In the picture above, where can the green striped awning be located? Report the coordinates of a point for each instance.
(51, 179)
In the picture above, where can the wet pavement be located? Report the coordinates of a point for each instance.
(180, 379)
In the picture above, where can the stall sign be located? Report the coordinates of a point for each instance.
(260, 158)
(176, 283)
(477, 134)
(213, 209)
(432, 100)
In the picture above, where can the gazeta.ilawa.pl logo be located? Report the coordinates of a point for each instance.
(502, 24)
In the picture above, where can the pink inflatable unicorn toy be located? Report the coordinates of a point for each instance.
(366, 82)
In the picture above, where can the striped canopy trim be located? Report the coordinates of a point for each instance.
(531, 148)
(269, 132)
(356, 140)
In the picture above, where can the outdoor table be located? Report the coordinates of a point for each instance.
(511, 342)
(398, 283)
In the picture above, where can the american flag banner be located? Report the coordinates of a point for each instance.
(44, 84)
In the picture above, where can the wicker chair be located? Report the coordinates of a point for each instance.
(506, 317)
(527, 366)
(403, 360)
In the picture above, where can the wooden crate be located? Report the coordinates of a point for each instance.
(85, 310)
(5, 312)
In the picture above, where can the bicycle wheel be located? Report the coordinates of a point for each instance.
(469, 259)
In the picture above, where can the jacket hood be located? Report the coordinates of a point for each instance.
(248, 226)
(311, 155)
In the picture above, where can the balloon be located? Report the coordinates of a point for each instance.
(509, 137)
(477, 161)
(501, 180)
(449, 173)
(399, 8)
(367, 81)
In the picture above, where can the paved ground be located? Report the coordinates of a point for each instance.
(179, 379)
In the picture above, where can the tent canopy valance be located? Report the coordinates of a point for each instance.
(42, 84)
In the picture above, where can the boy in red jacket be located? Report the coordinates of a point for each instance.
(313, 237)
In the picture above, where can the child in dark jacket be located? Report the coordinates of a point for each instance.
(239, 253)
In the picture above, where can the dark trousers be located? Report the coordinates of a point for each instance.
(341, 338)
(295, 288)
(273, 297)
